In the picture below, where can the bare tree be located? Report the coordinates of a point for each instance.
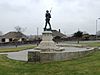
(20, 29)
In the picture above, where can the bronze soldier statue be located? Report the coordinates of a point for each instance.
(48, 16)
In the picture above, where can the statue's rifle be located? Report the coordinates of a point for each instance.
(50, 10)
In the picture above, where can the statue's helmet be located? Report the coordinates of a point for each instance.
(47, 11)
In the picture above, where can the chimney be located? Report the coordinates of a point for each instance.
(59, 30)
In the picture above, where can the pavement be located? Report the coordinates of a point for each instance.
(23, 55)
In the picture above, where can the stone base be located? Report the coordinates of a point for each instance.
(57, 56)
(47, 44)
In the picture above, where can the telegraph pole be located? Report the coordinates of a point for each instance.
(96, 28)
(37, 32)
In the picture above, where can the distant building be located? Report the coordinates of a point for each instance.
(58, 36)
(12, 36)
(34, 37)
(98, 33)
(86, 36)
(92, 37)
(56, 33)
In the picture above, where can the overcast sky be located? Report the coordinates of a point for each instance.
(67, 15)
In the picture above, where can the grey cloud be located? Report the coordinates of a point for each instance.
(36, 1)
(7, 7)
(69, 15)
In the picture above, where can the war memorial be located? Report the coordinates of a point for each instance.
(49, 51)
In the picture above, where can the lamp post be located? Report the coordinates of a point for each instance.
(97, 27)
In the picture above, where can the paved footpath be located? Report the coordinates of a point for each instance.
(23, 55)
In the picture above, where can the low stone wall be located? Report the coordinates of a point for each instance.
(57, 56)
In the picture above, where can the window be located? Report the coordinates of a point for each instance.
(3, 40)
(10, 39)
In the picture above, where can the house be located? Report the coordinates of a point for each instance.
(58, 36)
(13, 36)
(56, 33)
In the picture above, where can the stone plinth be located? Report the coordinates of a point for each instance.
(47, 44)
(57, 55)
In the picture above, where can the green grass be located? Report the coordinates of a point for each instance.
(89, 65)
(19, 48)
(91, 44)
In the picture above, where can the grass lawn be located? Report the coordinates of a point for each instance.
(89, 65)
(19, 48)
(91, 44)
